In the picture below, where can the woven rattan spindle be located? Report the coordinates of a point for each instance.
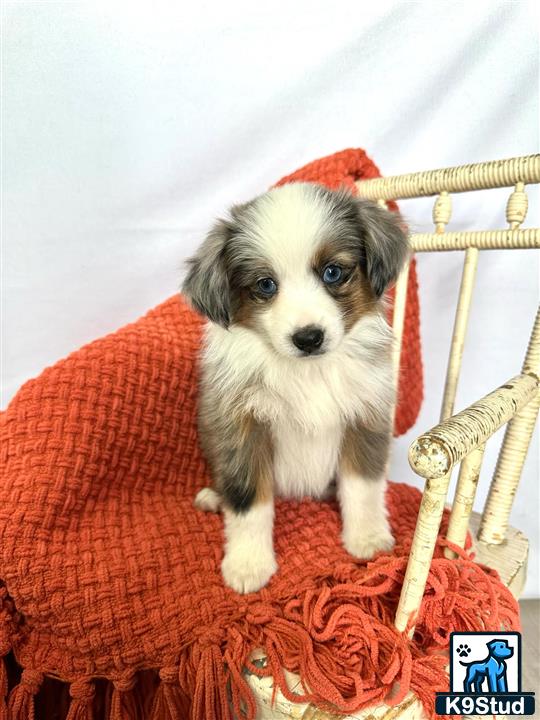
(516, 208)
(469, 473)
(468, 276)
(494, 523)
(478, 176)
(481, 239)
(442, 210)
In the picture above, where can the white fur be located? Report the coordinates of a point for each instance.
(208, 500)
(304, 463)
(363, 512)
(249, 560)
(312, 393)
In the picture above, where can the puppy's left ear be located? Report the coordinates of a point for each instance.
(384, 242)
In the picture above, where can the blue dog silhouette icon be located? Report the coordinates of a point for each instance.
(492, 669)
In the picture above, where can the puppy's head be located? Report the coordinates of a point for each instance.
(300, 265)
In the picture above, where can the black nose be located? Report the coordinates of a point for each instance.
(309, 338)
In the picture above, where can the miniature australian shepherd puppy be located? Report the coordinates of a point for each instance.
(296, 377)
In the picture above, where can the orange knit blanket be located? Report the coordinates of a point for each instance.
(108, 572)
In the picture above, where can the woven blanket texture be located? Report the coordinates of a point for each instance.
(110, 579)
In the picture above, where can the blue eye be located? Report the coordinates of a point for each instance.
(331, 274)
(267, 286)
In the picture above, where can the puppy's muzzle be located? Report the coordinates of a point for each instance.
(309, 339)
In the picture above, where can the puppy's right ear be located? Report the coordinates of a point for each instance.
(206, 284)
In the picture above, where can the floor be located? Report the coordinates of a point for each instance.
(530, 638)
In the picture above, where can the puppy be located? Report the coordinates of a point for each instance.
(296, 378)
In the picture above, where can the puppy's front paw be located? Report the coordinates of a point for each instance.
(208, 500)
(366, 543)
(247, 572)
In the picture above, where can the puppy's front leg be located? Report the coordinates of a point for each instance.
(248, 508)
(361, 491)
(249, 560)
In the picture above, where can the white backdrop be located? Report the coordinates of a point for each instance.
(127, 127)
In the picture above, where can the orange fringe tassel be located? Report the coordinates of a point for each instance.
(21, 698)
(170, 703)
(82, 697)
(210, 697)
(124, 704)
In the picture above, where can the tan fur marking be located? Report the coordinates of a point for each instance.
(356, 298)
(258, 437)
(330, 252)
(355, 295)
(247, 310)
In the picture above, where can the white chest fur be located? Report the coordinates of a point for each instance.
(306, 402)
(305, 462)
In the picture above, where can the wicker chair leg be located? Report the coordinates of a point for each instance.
(469, 474)
(423, 545)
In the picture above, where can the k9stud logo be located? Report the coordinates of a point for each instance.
(485, 676)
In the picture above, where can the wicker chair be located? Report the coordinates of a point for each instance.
(458, 438)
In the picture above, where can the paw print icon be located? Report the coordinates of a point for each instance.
(463, 650)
